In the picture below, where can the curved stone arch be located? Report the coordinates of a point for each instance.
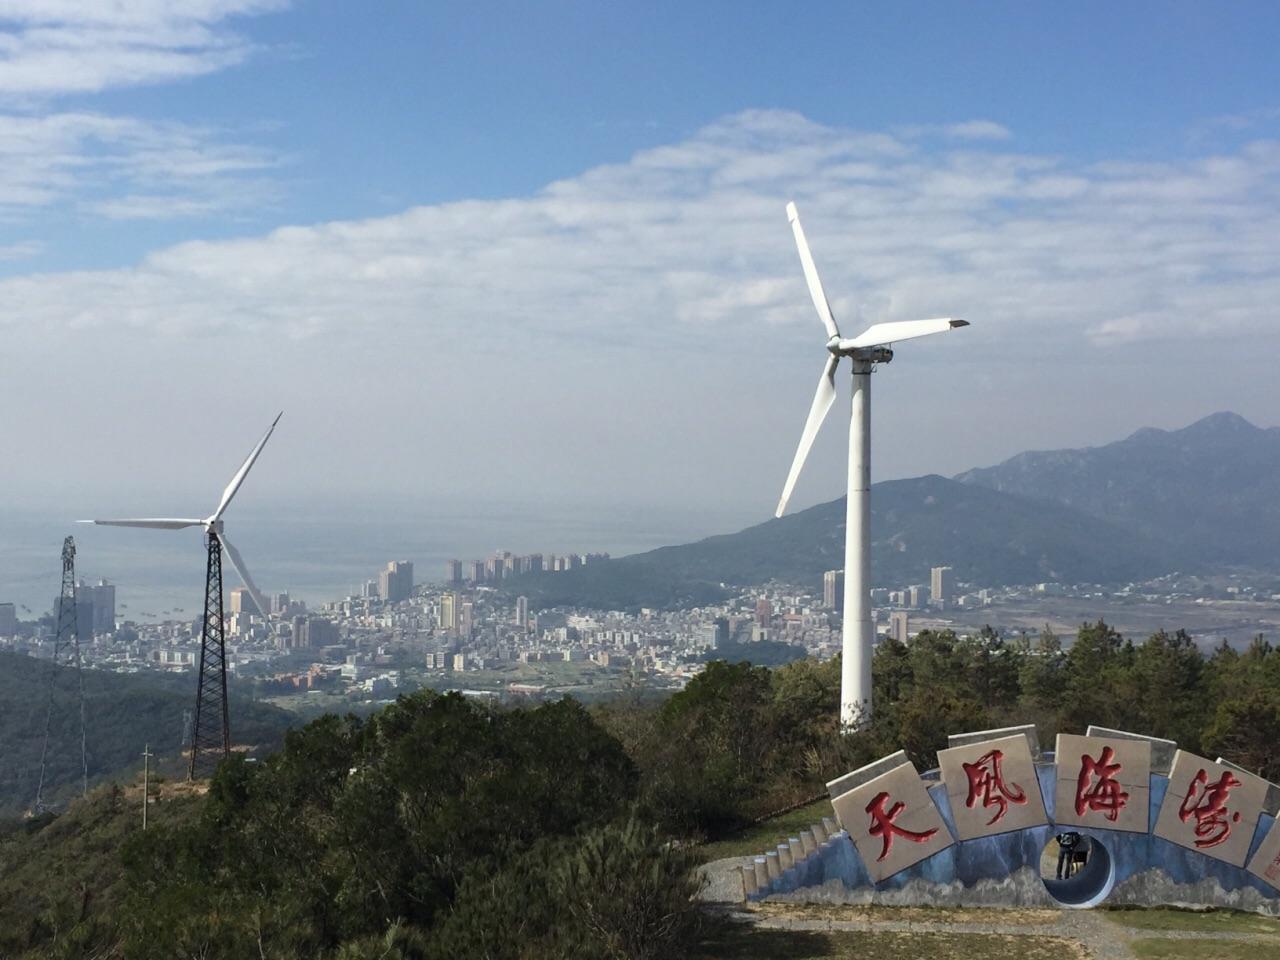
(1003, 869)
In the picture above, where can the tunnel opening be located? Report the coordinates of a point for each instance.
(1077, 870)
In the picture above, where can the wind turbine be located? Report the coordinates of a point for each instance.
(211, 732)
(864, 351)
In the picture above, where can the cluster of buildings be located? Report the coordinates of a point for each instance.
(503, 565)
(392, 635)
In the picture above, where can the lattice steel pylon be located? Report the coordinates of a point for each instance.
(68, 630)
(211, 728)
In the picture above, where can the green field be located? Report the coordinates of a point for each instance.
(757, 944)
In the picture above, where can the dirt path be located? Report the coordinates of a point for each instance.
(1100, 938)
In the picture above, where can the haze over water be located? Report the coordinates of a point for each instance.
(323, 553)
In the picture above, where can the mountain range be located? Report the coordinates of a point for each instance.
(1196, 499)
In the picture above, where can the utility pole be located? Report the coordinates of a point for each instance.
(146, 781)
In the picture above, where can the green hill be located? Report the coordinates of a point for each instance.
(988, 536)
(122, 711)
(1209, 487)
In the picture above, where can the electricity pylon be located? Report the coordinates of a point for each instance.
(68, 632)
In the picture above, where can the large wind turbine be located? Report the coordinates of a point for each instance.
(211, 731)
(864, 351)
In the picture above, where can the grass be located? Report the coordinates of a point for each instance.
(1196, 921)
(755, 944)
(768, 834)
(1159, 948)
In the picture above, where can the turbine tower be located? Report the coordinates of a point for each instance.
(211, 730)
(871, 347)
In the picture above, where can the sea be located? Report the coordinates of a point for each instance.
(322, 553)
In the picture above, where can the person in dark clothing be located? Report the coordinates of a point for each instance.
(1068, 843)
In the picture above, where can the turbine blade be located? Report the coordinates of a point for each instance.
(237, 561)
(158, 524)
(811, 274)
(879, 334)
(243, 472)
(822, 401)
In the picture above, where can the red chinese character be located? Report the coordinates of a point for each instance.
(882, 825)
(1210, 810)
(986, 780)
(1105, 795)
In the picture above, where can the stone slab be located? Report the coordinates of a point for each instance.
(1265, 864)
(1271, 804)
(856, 778)
(910, 826)
(1027, 730)
(1222, 830)
(992, 786)
(1162, 751)
(1131, 781)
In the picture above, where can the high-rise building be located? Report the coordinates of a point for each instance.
(477, 571)
(522, 612)
(455, 573)
(943, 585)
(279, 603)
(8, 620)
(508, 565)
(899, 625)
(764, 612)
(449, 612)
(396, 582)
(493, 569)
(466, 620)
(833, 589)
(242, 602)
(917, 596)
(95, 608)
(535, 563)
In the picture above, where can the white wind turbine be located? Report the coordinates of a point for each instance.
(213, 524)
(211, 733)
(864, 351)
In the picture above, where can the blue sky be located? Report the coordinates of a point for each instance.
(540, 247)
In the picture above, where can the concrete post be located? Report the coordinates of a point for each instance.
(772, 865)
(762, 873)
(784, 856)
(807, 841)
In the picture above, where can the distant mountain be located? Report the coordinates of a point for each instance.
(987, 536)
(123, 712)
(1212, 489)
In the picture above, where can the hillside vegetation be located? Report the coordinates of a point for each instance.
(441, 827)
(123, 712)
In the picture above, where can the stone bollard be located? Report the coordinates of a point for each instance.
(762, 873)
(772, 866)
(748, 881)
(830, 826)
(785, 860)
(819, 834)
(808, 842)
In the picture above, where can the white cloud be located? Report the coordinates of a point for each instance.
(689, 239)
(978, 130)
(125, 168)
(57, 47)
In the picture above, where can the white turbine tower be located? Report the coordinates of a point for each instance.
(864, 351)
(211, 733)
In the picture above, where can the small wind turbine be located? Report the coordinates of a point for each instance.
(211, 693)
(869, 348)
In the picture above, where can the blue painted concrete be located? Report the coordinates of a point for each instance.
(996, 858)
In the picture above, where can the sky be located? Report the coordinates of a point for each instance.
(537, 254)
